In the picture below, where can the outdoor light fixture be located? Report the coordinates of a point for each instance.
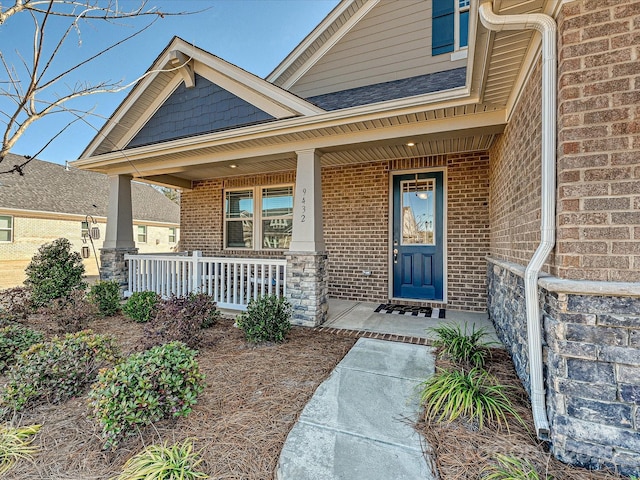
(411, 144)
(233, 165)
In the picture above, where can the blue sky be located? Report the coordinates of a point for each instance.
(253, 34)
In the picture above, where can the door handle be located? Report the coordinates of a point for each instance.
(395, 255)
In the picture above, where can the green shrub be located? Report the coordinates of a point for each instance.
(106, 295)
(181, 319)
(148, 386)
(15, 305)
(513, 468)
(54, 271)
(141, 306)
(460, 346)
(161, 462)
(474, 395)
(15, 444)
(267, 318)
(71, 313)
(57, 370)
(15, 339)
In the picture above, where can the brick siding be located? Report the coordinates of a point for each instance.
(356, 224)
(598, 141)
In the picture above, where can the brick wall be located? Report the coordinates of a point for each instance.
(356, 224)
(515, 174)
(598, 141)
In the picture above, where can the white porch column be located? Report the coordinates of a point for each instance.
(307, 285)
(119, 235)
(307, 233)
(119, 232)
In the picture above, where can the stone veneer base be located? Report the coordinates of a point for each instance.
(114, 266)
(307, 287)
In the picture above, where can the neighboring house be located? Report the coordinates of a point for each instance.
(408, 153)
(51, 201)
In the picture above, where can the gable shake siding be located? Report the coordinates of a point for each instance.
(356, 224)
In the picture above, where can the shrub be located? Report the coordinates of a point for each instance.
(15, 305)
(54, 271)
(106, 295)
(141, 306)
(163, 463)
(182, 319)
(15, 339)
(57, 370)
(461, 347)
(266, 319)
(15, 444)
(474, 395)
(513, 468)
(71, 313)
(148, 386)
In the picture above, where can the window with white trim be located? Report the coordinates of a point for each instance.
(84, 229)
(449, 26)
(6, 228)
(142, 233)
(172, 235)
(259, 218)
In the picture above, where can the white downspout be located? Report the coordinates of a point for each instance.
(547, 27)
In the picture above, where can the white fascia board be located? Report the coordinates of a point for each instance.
(308, 41)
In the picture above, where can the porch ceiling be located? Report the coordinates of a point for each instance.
(446, 130)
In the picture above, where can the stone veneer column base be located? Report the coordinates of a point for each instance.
(114, 266)
(591, 350)
(307, 287)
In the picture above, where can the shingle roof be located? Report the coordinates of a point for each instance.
(49, 187)
(393, 90)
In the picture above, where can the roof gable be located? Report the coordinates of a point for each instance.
(203, 108)
(177, 66)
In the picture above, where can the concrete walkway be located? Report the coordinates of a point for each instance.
(359, 423)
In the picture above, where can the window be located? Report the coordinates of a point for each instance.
(172, 234)
(449, 26)
(259, 225)
(142, 233)
(84, 230)
(6, 228)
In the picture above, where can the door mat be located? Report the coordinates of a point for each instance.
(411, 310)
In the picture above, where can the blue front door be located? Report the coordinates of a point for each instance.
(418, 204)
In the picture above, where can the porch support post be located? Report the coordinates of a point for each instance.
(307, 285)
(119, 235)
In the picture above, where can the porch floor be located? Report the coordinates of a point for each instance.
(361, 316)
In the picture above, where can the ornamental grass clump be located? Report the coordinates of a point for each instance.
(15, 339)
(468, 349)
(53, 272)
(513, 468)
(267, 319)
(141, 306)
(15, 444)
(474, 395)
(162, 462)
(57, 370)
(162, 382)
(106, 296)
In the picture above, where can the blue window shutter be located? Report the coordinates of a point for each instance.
(442, 29)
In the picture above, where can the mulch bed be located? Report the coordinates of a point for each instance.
(461, 451)
(253, 397)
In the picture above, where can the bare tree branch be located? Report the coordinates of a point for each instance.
(26, 89)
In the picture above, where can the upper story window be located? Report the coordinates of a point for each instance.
(172, 235)
(6, 228)
(450, 26)
(142, 233)
(84, 229)
(259, 218)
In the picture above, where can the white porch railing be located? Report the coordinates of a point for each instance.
(232, 282)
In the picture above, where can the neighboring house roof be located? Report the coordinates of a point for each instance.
(380, 92)
(49, 187)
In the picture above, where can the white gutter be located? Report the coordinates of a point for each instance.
(547, 27)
